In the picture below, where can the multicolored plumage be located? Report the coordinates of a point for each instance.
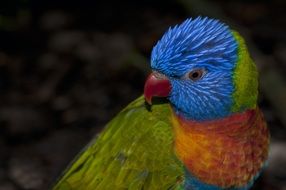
(209, 136)
(226, 157)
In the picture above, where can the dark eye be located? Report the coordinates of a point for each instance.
(196, 74)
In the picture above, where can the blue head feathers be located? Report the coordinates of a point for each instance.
(207, 48)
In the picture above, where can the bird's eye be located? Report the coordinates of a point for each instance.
(196, 74)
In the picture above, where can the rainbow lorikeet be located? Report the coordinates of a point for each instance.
(209, 135)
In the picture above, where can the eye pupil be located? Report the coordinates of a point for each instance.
(196, 74)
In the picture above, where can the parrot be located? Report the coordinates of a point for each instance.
(197, 125)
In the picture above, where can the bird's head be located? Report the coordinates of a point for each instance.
(204, 70)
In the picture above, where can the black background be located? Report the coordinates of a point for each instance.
(67, 67)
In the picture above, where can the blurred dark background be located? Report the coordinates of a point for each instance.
(67, 67)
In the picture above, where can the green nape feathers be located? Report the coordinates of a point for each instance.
(135, 151)
(245, 78)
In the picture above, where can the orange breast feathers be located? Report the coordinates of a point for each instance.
(226, 152)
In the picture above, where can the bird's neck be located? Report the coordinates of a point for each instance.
(223, 152)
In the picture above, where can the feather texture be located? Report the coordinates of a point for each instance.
(245, 79)
(135, 151)
(227, 152)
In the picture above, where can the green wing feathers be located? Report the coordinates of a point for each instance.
(134, 151)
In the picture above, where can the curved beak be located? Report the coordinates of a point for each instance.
(157, 85)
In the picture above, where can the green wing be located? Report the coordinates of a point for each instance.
(134, 151)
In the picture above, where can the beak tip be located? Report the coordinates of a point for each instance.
(149, 101)
(148, 95)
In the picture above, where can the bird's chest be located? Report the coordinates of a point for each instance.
(225, 156)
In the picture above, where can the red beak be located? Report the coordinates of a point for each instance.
(156, 85)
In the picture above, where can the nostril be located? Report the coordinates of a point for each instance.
(160, 75)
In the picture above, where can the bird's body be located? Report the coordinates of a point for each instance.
(210, 136)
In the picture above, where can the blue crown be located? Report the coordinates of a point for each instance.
(194, 42)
